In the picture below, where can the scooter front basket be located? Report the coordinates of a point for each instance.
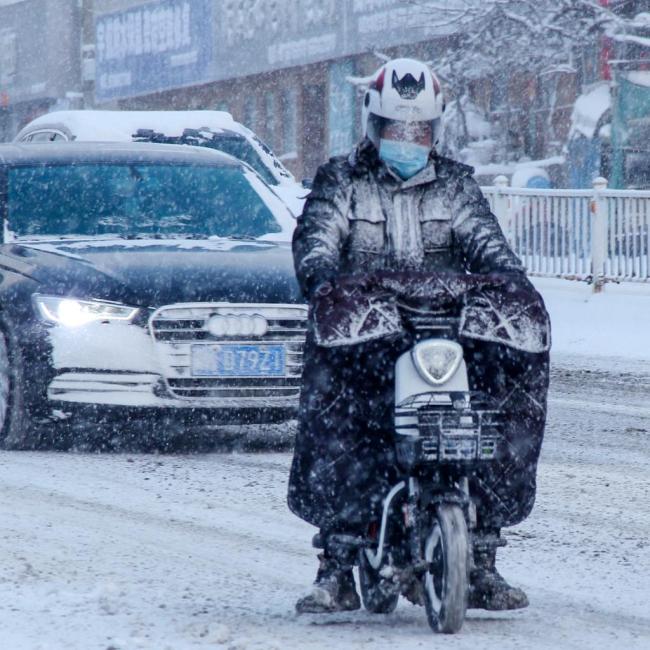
(444, 434)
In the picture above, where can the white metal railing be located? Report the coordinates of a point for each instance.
(597, 234)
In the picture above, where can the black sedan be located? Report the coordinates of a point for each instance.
(138, 280)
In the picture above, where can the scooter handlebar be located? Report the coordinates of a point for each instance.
(409, 285)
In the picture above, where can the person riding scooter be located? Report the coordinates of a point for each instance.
(395, 205)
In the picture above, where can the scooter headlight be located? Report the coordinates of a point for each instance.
(437, 360)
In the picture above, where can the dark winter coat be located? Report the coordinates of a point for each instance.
(360, 218)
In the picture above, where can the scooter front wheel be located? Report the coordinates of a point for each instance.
(446, 581)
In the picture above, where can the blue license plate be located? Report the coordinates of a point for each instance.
(223, 360)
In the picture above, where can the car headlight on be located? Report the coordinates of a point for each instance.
(72, 312)
(437, 360)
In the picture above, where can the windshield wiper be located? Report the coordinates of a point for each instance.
(242, 237)
(167, 235)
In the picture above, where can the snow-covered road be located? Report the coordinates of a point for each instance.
(126, 551)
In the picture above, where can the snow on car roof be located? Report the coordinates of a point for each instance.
(121, 126)
(118, 126)
(58, 152)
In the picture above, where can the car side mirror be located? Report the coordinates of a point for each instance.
(307, 183)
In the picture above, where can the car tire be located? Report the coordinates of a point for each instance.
(17, 429)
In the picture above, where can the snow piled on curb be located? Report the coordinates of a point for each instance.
(609, 328)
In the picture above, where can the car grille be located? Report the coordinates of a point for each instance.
(176, 328)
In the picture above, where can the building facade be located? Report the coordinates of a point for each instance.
(39, 60)
(281, 68)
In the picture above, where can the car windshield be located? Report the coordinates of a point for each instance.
(240, 148)
(136, 200)
(228, 142)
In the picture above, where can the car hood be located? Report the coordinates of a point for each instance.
(151, 273)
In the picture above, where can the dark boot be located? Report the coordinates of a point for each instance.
(334, 589)
(487, 588)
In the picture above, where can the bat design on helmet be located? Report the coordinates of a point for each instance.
(407, 86)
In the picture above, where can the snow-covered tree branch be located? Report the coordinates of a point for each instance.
(497, 38)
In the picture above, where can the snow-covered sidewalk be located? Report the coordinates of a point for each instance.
(609, 330)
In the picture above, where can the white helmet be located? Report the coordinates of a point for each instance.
(402, 90)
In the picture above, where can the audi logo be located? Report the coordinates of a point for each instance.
(229, 325)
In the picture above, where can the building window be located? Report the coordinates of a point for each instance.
(341, 108)
(271, 121)
(8, 57)
(499, 94)
(290, 122)
(250, 113)
(590, 64)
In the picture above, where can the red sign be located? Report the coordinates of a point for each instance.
(606, 54)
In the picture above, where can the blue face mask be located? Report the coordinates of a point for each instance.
(406, 159)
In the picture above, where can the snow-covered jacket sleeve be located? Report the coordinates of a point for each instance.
(477, 231)
(322, 229)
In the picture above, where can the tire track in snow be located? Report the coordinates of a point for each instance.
(600, 407)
